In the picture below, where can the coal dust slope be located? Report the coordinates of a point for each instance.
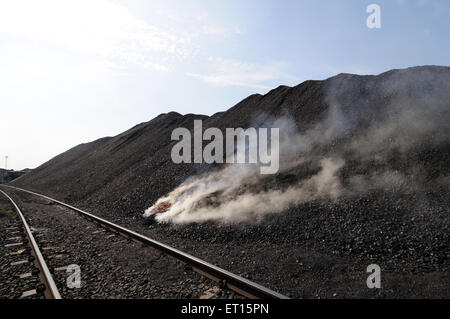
(130, 171)
(364, 178)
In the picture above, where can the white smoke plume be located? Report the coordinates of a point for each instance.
(235, 207)
(227, 195)
(347, 134)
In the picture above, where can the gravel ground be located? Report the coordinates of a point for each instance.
(410, 245)
(11, 285)
(111, 266)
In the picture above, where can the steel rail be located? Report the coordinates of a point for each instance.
(51, 291)
(234, 282)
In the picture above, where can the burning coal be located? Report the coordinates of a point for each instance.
(231, 195)
(216, 197)
(355, 148)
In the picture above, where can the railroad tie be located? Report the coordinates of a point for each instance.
(20, 262)
(28, 293)
(64, 268)
(14, 238)
(19, 252)
(25, 275)
(13, 244)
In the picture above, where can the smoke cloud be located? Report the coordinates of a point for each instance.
(359, 146)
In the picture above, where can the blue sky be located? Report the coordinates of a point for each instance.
(75, 71)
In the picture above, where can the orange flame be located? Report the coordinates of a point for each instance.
(164, 207)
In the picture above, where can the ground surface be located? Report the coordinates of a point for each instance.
(309, 263)
(411, 247)
(111, 266)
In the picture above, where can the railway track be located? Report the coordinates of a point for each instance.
(224, 278)
(49, 287)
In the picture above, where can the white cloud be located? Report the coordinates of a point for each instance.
(221, 31)
(96, 27)
(229, 72)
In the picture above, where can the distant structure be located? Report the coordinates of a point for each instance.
(3, 172)
(7, 175)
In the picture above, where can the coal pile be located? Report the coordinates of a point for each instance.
(370, 152)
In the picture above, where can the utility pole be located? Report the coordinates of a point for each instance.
(3, 172)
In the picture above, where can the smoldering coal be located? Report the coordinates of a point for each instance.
(357, 148)
(233, 207)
